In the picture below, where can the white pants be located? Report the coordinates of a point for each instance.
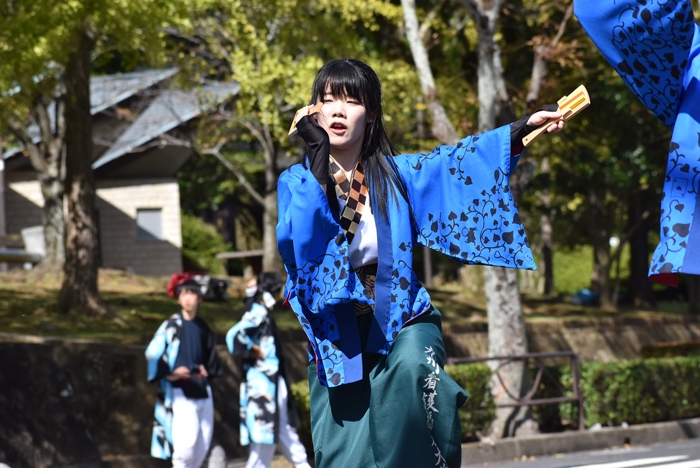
(288, 440)
(193, 426)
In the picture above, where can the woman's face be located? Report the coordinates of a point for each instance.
(344, 119)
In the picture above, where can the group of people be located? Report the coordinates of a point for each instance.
(352, 209)
(182, 358)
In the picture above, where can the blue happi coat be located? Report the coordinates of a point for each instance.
(258, 395)
(161, 355)
(654, 46)
(463, 208)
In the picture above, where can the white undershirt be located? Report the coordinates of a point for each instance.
(363, 248)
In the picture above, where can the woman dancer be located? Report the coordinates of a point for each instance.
(349, 216)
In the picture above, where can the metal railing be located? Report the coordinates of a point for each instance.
(528, 399)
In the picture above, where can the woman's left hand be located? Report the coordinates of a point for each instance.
(540, 117)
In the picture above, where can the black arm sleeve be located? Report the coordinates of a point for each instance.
(520, 129)
(318, 148)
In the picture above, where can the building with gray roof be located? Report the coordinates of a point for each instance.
(135, 167)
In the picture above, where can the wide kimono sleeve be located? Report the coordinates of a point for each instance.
(313, 246)
(243, 335)
(321, 285)
(462, 202)
(159, 353)
(648, 43)
(654, 46)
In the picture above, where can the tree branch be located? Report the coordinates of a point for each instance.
(539, 66)
(562, 26)
(35, 157)
(241, 178)
(253, 130)
(216, 152)
(425, 27)
(442, 128)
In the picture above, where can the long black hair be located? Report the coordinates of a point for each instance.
(355, 79)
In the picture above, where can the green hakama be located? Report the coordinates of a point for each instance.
(402, 414)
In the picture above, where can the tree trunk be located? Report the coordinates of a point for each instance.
(546, 232)
(507, 334)
(640, 286)
(79, 291)
(53, 219)
(272, 261)
(507, 337)
(3, 228)
(47, 157)
(539, 73)
(271, 256)
(600, 280)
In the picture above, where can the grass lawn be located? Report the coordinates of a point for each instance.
(28, 306)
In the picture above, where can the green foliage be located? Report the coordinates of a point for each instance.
(200, 244)
(479, 411)
(572, 268)
(641, 391)
(37, 36)
(638, 391)
(302, 395)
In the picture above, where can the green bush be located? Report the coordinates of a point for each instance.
(200, 244)
(479, 411)
(641, 391)
(636, 392)
(302, 395)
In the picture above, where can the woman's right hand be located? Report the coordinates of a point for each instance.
(317, 143)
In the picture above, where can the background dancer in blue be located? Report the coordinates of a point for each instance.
(349, 216)
(269, 416)
(654, 46)
(182, 358)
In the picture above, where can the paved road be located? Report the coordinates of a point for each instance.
(670, 455)
(684, 454)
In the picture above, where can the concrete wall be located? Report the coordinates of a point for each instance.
(117, 203)
(23, 201)
(602, 340)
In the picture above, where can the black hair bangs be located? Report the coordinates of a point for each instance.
(190, 286)
(355, 79)
(343, 78)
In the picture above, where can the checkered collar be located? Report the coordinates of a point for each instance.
(353, 192)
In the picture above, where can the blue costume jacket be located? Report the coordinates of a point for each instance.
(463, 208)
(654, 46)
(161, 355)
(258, 396)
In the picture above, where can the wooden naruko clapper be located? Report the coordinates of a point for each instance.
(569, 106)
